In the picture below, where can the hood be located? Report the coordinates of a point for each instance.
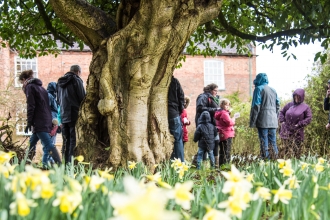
(300, 93)
(65, 80)
(32, 81)
(51, 88)
(261, 79)
(204, 118)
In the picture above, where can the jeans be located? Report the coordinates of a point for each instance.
(200, 154)
(267, 136)
(176, 130)
(47, 145)
(69, 140)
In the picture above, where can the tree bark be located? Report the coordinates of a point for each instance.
(124, 115)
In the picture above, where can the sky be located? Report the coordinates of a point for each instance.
(285, 76)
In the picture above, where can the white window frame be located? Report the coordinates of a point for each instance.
(21, 122)
(22, 64)
(214, 73)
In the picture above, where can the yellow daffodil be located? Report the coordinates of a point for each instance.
(7, 170)
(234, 205)
(282, 194)
(67, 201)
(213, 214)
(105, 174)
(164, 185)
(236, 182)
(21, 206)
(131, 165)
(292, 182)
(263, 193)
(155, 178)
(80, 158)
(287, 170)
(249, 177)
(282, 163)
(321, 160)
(45, 191)
(141, 202)
(319, 168)
(95, 183)
(304, 165)
(176, 163)
(5, 157)
(182, 195)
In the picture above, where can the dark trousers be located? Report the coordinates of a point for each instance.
(292, 147)
(224, 153)
(69, 140)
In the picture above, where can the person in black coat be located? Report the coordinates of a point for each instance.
(205, 134)
(39, 119)
(70, 93)
(175, 108)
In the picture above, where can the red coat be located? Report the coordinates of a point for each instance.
(224, 124)
(184, 125)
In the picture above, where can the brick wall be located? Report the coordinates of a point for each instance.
(236, 75)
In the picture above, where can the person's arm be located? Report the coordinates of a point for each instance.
(283, 112)
(31, 104)
(227, 120)
(307, 118)
(180, 95)
(80, 90)
(197, 134)
(326, 105)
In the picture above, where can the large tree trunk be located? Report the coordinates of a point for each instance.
(124, 115)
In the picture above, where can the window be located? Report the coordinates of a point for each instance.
(214, 73)
(21, 120)
(24, 64)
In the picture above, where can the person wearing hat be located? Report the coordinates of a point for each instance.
(326, 105)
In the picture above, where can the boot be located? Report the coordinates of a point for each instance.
(55, 155)
(216, 161)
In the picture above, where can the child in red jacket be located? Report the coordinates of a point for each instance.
(225, 125)
(184, 120)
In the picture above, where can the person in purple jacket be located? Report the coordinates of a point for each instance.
(39, 119)
(294, 117)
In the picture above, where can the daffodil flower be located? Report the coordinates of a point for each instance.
(292, 182)
(21, 205)
(67, 201)
(321, 160)
(282, 194)
(80, 158)
(155, 178)
(319, 168)
(287, 170)
(182, 195)
(263, 193)
(213, 214)
(304, 165)
(234, 205)
(5, 157)
(105, 174)
(131, 165)
(141, 202)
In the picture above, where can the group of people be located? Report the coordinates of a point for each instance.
(52, 111)
(215, 125)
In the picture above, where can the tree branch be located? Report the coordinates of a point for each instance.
(48, 24)
(92, 28)
(303, 13)
(263, 39)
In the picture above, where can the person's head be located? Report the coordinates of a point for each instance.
(225, 104)
(75, 69)
(329, 84)
(261, 79)
(25, 75)
(186, 101)
(211, 88)
(298, 96)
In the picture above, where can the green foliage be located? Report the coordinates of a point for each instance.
(30, 26)
(317, 138)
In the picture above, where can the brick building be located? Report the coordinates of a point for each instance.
(230, 71)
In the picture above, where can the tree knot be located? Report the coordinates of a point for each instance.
(106, 106)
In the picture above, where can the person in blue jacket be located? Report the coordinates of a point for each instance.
(264, 111)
